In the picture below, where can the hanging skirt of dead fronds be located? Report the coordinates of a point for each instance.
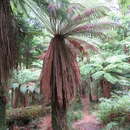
(61, 76)
(8, 46)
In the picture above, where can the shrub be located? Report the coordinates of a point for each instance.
(112, 126)
(115, 109)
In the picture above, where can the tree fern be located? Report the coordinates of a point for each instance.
(115, 70)
(60, 78)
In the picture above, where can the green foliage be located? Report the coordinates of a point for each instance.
(31, 39)
(20, 115)
(115, 69)
(114, 109)
(110, 78)
(26, 79)
(98, 75)
(74, 113)
(26, 75)
(85, 70)
(124, 32)
(112, 126)
(32, 35)
(74, 116)
(124, 5)
(37, 64)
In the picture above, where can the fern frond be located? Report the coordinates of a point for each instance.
(85, 17)
(90, 34)
(123, 80)
(19, 5)
(42, 16)
(95, 12)
(111, 78)
(98, 27)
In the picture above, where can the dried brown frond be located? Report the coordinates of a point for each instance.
(61, 75)
(82, 45)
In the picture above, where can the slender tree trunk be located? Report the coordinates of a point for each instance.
(16, 98)
(2, 108)
(12, 97)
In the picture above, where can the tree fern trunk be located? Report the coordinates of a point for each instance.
(59, 108)
(106, 86)
(61, 80)
(2, 108)
(59, 116)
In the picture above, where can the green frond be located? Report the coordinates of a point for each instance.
(123, 80)
(60, 18)
(41, 15)
(98, 75)
(87, 16)
(90, 34)
(111, 78)
(96, 27)
(92, 13)
(117, 59)
(19, 5)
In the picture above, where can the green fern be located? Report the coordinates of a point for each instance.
(118, 106)
(115, 69)
(26, 79)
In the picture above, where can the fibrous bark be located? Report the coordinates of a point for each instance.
(2, 108)
(8, 53)
(106, 86)
(61, 79)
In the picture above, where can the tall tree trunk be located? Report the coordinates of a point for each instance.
(59, 112)
(2, 108)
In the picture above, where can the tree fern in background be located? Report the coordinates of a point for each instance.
(115, 69)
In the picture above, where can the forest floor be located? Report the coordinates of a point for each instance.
(88, 122)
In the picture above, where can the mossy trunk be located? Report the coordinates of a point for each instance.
(2, 108)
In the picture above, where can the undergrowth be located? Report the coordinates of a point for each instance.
(74, 113)
(115, 112)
